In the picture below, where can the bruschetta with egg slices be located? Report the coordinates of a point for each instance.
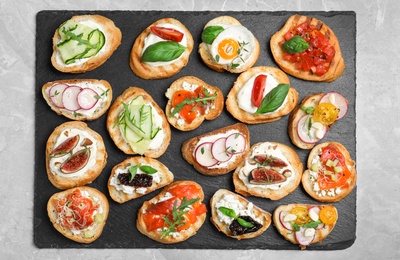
(137, 125)
(312, 119)
(227, 45)
(137, 176)
(237, 217)
(78, 99)
(218, 152)
(261, 95)
(161, 50)
(308, 49)
(75, 155)
(175, 214)
(271, 170)
(191, 101)
(331, 172)
(304, 224)
(79, 213)
(84, 42)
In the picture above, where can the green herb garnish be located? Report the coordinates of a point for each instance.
(232, 214)
(274, 99)
(295, 45)
(210, 33)
(163, 51)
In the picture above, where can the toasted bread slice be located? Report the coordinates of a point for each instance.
(305, 236)
(317, 169)
(209, 165)
(171, 195)
(279, 165)
(75, 155)
(239, 104)
(159, 143)
(213, 108)
(122, 192)
(243, 36)
(242, 208)
(112, 36)
(62, 204)
(98, 103)
(160, 69)
(336, 65)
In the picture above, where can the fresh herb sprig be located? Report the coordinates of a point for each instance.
(232, 214)
(199, 101)
(132, 171)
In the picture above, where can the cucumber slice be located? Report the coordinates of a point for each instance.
(140, 119)
(136, 142)
(70, 49)
(96, 37)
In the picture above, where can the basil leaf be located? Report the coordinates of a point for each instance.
(148, 169)
(210, 33)
(313, 224)
(274, 99)
(296, 227)
(163, 51)
(244, 223)
(294, 45)
(228, 212)
(132, 172)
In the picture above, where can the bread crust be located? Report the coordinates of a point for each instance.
(90, 174)
(320, 234)
(210, 61)
(232, 104)
(214, 111)
(65, 231)
(337, 65)
(188, 148)
(120, 196)
(115, 133)
(294, 161)
(105, 100)
(113, 38)
(266, 217)
(307, 179)
(184, 234)
(147, 71)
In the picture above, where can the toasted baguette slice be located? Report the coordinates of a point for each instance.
(193, 191)
(101, 87)
(272, 188)
(113, 38)
(285, 228)
(243, 207)
(336, 66)
(190, 146)
(122, 193)
(309, 179)
(58, 152)
(213, 109)
(244, 35)
(114, 130)
(59, 211)
(243, 87)
(160, 70)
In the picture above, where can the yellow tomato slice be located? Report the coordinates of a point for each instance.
(301, 214)
(325, 113)
(328, 215)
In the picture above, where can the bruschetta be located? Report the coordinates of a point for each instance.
(75, 155)
(227, 45)
(191, 101)
(175, 214)
(79, 213)
(308, 49)
(161, 50)
(137, 176)
(84, 42)
(331, 172)
(137, 125)
(271, 170)
(237, 217)
(218, 152)
(261, 95)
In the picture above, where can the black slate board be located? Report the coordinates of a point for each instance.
(120, 230)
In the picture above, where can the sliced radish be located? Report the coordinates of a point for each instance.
(218, 150)
(235, 143)
(87, 98)
(286, 225)
(311, 134)
(56, 93)
(70, 98)
(338, 100)
(302, 239)
(203, 155)
(316, 210)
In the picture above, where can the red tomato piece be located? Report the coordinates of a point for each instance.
(168, 34)
(257, 93)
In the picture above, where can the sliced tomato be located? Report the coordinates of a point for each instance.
(257, 93)
(301, 214)
(168, 34)
(328, 215)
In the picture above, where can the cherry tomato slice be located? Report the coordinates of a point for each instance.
(301, 214)
(257, 92)
(325, 113)
(328, 215)
(168, 34)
